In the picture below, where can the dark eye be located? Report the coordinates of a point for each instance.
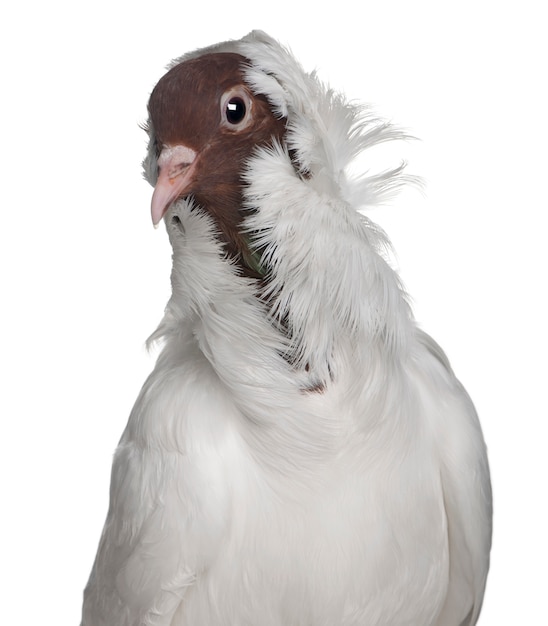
(235, 110)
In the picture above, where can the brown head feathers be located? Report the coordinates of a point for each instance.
(205, 105)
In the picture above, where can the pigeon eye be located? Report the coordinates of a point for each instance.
(236, 105)
(235, 110)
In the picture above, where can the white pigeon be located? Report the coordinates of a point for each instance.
(302, 454)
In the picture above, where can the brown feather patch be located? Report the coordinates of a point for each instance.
(185, 109)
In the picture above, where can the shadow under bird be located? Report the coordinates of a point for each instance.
(302, 454)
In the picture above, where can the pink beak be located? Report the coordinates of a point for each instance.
(175, 167)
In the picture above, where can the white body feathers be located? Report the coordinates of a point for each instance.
(345, 486)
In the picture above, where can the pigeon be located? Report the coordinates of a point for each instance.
(302, 453)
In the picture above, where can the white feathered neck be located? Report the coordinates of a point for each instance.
(328, 281)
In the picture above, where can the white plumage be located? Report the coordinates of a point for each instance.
(302, 454)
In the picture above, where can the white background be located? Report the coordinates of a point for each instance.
(85, 277)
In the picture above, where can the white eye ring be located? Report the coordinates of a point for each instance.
(236, 109)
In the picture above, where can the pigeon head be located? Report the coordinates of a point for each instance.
(206, 122)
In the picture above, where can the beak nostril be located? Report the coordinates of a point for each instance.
(176, 156)
(178, 169)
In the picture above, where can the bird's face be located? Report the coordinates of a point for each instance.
(206, 123)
